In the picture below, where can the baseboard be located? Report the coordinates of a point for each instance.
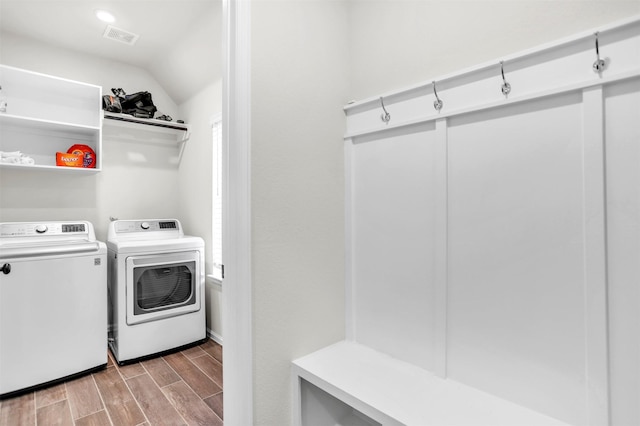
(214, 336)
(211, 280)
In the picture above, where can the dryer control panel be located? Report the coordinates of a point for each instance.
(131, 226)
(146, 225)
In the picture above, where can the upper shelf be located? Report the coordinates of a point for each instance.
(46, 125)
(126, 118)
(180, 130)
(45, 115)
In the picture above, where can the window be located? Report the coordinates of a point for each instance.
(216, 134)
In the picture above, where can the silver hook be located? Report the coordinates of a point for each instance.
(437, 104)
(386, 117)
(506, 87)
(600, 64)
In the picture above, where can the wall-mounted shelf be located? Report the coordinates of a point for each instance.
(180, 130)
(47, 114)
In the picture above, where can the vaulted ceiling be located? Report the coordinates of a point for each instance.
(179, 41)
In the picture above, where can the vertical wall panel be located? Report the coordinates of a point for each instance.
(440, 259)
(516, 272)
(622, 130)
(393, 243)
(595, 277)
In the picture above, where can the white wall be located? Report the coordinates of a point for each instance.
(299, 81)
(398, 43)
(137, 179)
(40, 57)
(197, 59)
(195, 183)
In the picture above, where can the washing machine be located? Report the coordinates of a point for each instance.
(156, 288)
(53, 303)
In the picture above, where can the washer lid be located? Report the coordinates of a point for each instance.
(155, 245)
(150, 235)
(15, 251)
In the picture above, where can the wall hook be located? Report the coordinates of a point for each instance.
(506, 87)
(600, 64)
(437, 104)
(386, 117)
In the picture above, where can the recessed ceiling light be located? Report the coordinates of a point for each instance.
(105, 16)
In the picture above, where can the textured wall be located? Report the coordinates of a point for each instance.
(398, 43)
(299, 61)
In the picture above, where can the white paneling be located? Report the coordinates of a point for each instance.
(556, 67)
(622, 112)
(595, 296)
(393, 243)
(516, 273)
(529, 288)
(441, 249)
(348, 242)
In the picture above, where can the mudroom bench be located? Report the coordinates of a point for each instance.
(351, 384)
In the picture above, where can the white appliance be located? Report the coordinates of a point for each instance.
(53, 303)
(156, 288)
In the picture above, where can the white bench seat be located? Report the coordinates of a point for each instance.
(394, 392)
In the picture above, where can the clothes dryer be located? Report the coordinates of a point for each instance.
(156, 288)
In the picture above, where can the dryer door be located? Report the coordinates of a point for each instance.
(162, 285)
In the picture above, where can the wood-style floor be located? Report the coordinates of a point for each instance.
(182, 388)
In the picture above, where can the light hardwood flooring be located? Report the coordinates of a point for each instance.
(182, 388)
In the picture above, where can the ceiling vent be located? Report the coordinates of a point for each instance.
(120, 35)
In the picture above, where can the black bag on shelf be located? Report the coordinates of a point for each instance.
(139, 104)
(111, 103)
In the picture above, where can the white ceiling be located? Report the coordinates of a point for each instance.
(167, 29)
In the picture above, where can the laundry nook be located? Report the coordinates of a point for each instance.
(110, 244)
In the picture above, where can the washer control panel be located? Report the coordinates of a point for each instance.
(30, 229)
